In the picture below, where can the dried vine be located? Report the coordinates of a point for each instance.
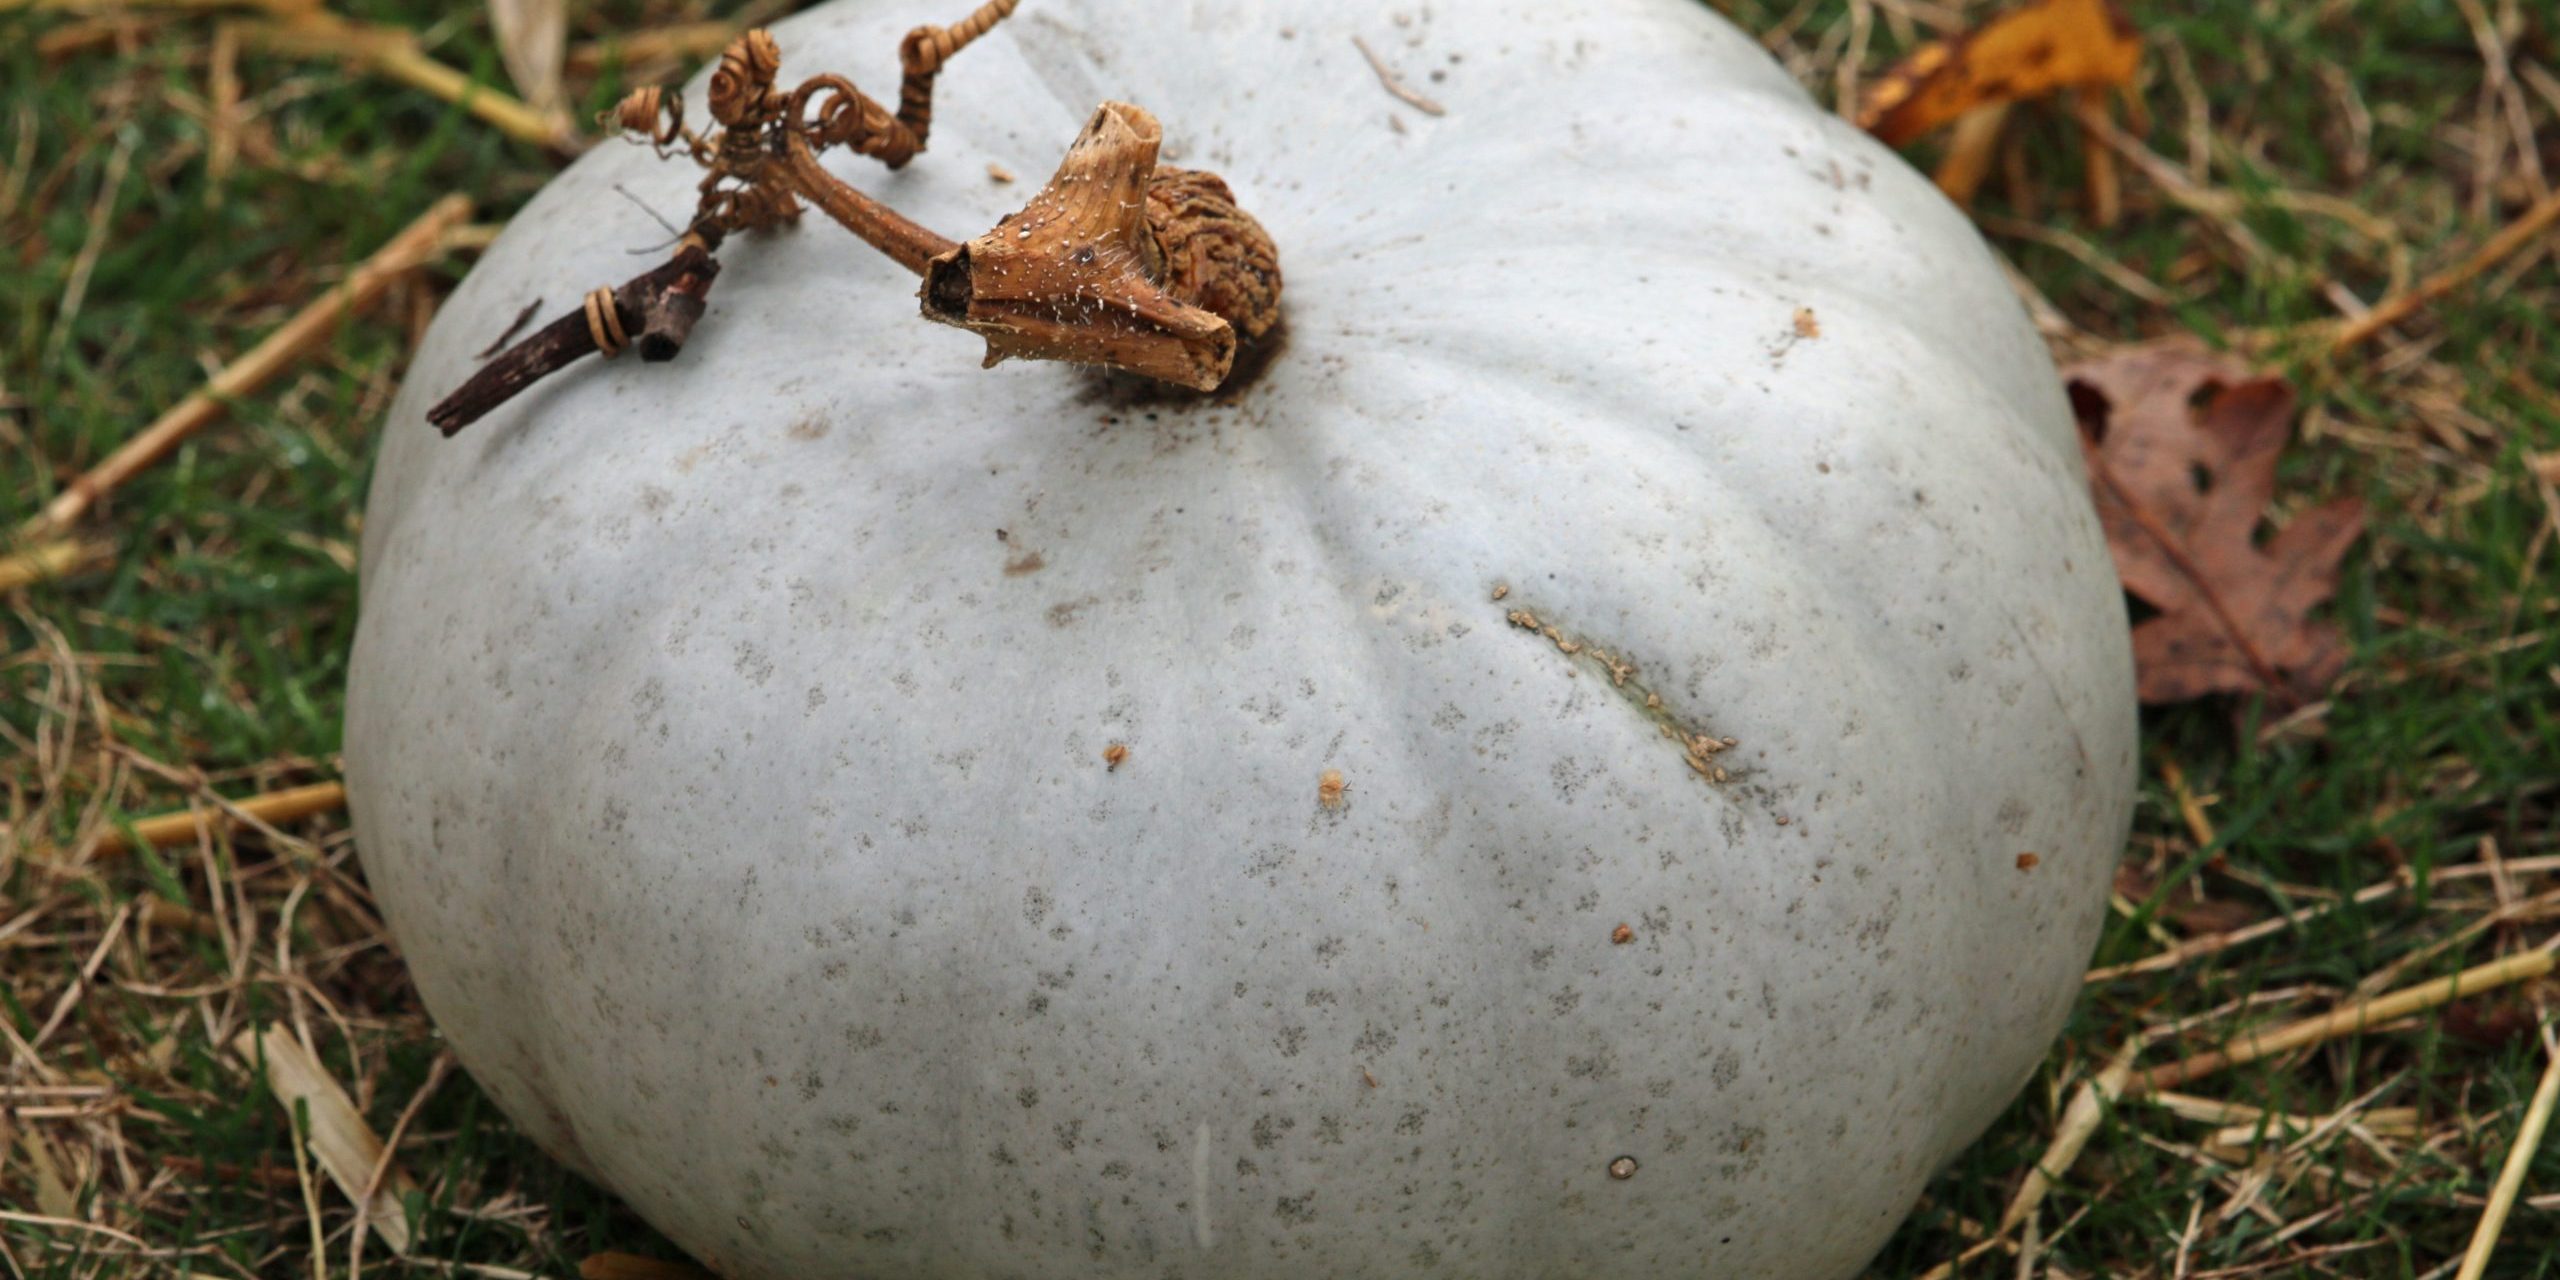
(1116, 262)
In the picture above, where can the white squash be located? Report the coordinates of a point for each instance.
(727, 737)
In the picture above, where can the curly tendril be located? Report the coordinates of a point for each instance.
(654, 113)
(742, 89)
(848, 117)
(922, 54)
(604, 322)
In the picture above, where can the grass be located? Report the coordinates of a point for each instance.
(2344, 147)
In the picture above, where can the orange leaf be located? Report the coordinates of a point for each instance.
(2027, 52)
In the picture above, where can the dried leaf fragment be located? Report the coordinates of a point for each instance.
(346, 1146)
(2182, 446)
(533, 41)
(2026, 52)
(2192, 914)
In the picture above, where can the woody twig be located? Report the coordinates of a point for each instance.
(654, 311)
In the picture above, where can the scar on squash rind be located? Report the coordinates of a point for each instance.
(1699, 748)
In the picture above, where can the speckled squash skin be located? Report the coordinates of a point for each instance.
(726, 737)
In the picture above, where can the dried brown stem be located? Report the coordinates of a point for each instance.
(883, 228)
(1116, 263)
(654, 310)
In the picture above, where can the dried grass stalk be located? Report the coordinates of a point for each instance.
(394, 53)
(2071, 1135)
(2351, 1019)
(47, 560)
(184, 826)
(682, 42)
(415, 245)
(2392, 310)
(2502, 1198)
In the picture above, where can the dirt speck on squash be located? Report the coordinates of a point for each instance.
(1027, 563)
(1801, 327)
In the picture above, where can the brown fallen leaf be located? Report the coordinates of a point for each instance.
(2027, 52)
(2182, 446)
(2490, 1022)
(2194, 917)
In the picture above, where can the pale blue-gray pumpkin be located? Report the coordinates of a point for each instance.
(726, 738)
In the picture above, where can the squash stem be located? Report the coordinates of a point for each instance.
(906, 243)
